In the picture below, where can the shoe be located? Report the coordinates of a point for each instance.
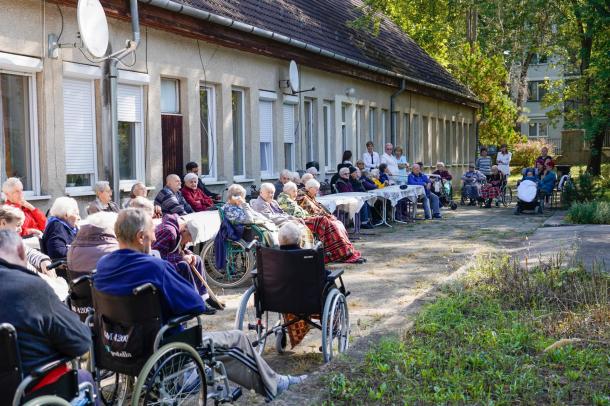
(427, 218)
(359, 261)
(366, 226)
(213, 303)
(209, 311)
(286, 381)
(472, 203)
(437, 216)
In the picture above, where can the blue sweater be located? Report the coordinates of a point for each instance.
(56, 238)
(119, 272)
(547, 183)
(420, 180)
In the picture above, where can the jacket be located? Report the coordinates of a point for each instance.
(56, 237)
(343, 186)
(197, 199)
(171, 202)
(34, 219)
(420, 180)
(91, 243)
(227, 231)
(167, 236)
(272, 211)
(547, 183)
(96, 206)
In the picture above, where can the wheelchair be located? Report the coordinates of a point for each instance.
(239, 261)
(171, 365)
(31, 389)
(294, 282)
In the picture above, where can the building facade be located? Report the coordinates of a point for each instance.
(201, 90)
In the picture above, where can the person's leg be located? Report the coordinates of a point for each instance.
(436, 210)
(426, 204)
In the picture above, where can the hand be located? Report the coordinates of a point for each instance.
(157, 210)
(190, 259)
(34, 232)
(27, 204)
(49, 272)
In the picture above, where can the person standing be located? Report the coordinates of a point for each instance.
(389, 159)
(503, 160)
(483, 163)
(371, 158)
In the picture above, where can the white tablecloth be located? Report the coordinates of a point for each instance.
(351, 202)
(395, 193)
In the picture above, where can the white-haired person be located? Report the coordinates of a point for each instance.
(103, 199)
(93, 240)
(194, 196)
(337, 246)
(139, 189)
(304, 179)
(285, 176)
(237, 211)
(61, 228)
(35, 220)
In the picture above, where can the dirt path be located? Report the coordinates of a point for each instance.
(404, 262)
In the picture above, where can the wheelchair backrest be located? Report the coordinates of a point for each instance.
(125, 328)
(10, 362)
(290, 281)
(80, 299)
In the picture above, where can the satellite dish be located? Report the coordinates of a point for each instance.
(293, 74)
(93, 26)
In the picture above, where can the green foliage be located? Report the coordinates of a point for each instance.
(484, 343)
(584, 188)
(525, 153)
(589, 213)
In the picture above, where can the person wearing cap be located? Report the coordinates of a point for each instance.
(343, 184)
(473, 180)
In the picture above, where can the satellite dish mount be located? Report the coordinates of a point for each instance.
(293, 83)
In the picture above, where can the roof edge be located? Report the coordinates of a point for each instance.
(179, 8)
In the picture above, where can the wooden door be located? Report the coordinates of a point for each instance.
(171, 134)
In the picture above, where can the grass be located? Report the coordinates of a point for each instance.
(595, 212)
(486, 341)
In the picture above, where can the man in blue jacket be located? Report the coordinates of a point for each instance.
(418, 178)
(119, 272)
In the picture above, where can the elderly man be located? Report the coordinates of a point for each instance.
(35, 220)
(120, 272)
(389, 159)
(193, 167)
(170, 199)
(370, 157)
(46, 328)
(418, 178)
(285, 176)
(103, 200)
(473, 180)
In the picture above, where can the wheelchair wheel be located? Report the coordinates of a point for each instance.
(246, 321)
(113, 387)
(47, 400)
(173, 375)
(237, 269)
(335, 325)
(280, 341)
(507, 197)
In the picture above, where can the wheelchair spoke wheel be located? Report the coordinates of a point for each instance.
(246, 321)
(335, 325)
(174, 375)
(507, 197)
(113, 387)
(239, 263)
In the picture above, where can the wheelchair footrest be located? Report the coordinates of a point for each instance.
(235, 394)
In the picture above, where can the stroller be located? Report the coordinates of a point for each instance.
(442, 188)
(528, 197)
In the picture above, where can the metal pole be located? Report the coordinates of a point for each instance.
(114, 131)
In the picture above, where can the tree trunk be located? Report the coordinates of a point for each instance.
(595, 159)
(522, 88)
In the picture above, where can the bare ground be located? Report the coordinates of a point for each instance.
(405, 265)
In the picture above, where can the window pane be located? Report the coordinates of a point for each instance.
(394, 128)
(238, 134)
(343, 128)
(372, 123)
(266, 157)
(288, 156)
(169, 96)
(15, 142)
(127, 150)
(532, 91)
(310, 133)
(532, 130)
(326, 118)
(206, 136)
(78, 180)
(542, 129)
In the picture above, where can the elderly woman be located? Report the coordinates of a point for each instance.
(35, 220)
(473, 179)
(343, 184)
(403, 166)
(376, 178)
(329, 230)
(491, 190)
(269, 208)
(139, 190)
(442, 171)
(194, 196)
(103, 200)
(305, 178)
(61, 228)
(93, 240)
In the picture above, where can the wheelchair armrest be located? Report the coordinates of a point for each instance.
(81, 278)
(176, 321)
(335, 274)
(58, 263)
(140, 289)
(318, 246)
(45, 369)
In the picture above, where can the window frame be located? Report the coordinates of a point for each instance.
(310, 131)
(293, 154)
(327, 122)
(344, 136)
(33, 125)
(140, 129)
(241, 176)
(176, 92)
(267, 97)
(384, 127)
(211, 100)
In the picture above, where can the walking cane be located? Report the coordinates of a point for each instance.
(207, 287)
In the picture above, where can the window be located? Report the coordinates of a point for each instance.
(394, 127)
(170, 96)
(239, 145)
(79, 133)
(359, 131)
(454, 139)
(535, 90)
(328, 135)
(447, 144)
(384, 125)
(538, 59)
(265, 115)
(416, 139)
(425, 141)
(372, 123)
(18, 153)
(311, 135)
(131, 133)
(289, 136)
(406, 133)
(343, 127)
(207, 114)
(538, 129)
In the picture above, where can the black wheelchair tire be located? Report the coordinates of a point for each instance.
(215, 277)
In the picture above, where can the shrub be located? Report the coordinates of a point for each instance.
(593, 212)
(525, 154)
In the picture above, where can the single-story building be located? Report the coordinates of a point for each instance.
(208, 84)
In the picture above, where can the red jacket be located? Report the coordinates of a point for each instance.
(34, 219)
(197, 199)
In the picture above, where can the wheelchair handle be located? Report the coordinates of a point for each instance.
(139, 289)
(57, 263)
(251, 245)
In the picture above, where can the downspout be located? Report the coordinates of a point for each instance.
(112, 77)
(393, 135)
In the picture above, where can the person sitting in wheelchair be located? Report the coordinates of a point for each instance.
(472, 181)
(492, 189)
(131, 266)
(47, 330)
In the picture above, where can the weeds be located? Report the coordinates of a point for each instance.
(596, 212)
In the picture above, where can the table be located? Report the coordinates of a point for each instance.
(394, 194)
(352, 201)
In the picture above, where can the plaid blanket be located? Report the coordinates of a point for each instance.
(490, 192)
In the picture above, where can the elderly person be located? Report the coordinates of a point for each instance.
(195, 196)
(313, 171)
(418, 178)
(304, 179)
(403, 166)
(170, 198)
(279, 185)
(139, 189)
(503, 160)
(366, 181)
(491, 190)
(61, 228)
(103, 200)
(390, 161)
(193, 167)
(473, 180)
(93, 240)
(360, 165)
(370, 157)
(329, 230)
(442, 171)
(376, 179)
(343, 184)
(35, 220)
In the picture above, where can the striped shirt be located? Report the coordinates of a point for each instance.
(483, 164)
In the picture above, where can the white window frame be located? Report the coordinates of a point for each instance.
(268, 97)
(372, 123)
(176, 92)
(328, 130)
(417, 147)
(537, 123)
(344, 136)
(94, 177)
(126, 184)
(293, 154)
(33, 123)
(211, 91)
(240, 176)
(406, 132)
(384, 127)
(309, 130)
(359, 130)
